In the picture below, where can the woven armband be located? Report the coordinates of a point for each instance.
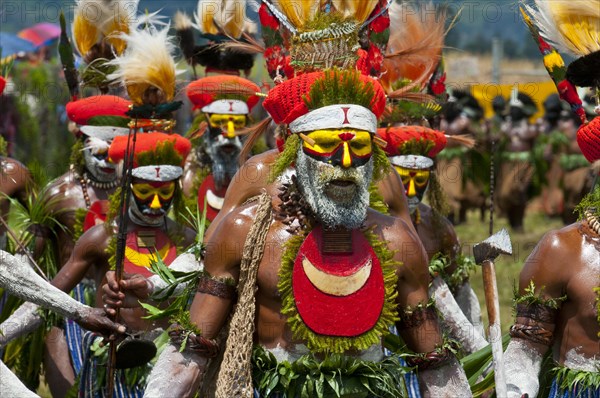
(535, 322)
(414, 318)
(430, 360)
(193, 342)
(216, 287)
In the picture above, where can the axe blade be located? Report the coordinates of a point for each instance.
(492, 247)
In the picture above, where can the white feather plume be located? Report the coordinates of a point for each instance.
(147, 62)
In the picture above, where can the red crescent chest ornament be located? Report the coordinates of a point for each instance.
(213, 195)
(338, 294)
(96, 214)
(141, 248)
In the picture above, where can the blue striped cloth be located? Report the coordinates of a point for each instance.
(74, 332)
(556, 392)
(89, 383)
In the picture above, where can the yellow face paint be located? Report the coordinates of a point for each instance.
(415, 181)
(228, 123)
(340, 147)
(144, 191)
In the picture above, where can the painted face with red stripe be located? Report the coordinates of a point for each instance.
(415, 183)
(340, 147)
(153, 198)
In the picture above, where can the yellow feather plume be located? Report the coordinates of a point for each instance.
(147, 62)
(572, 26)
(120, 21)
(358, 10)
(226, 17)
(85, 34)
(299, 12)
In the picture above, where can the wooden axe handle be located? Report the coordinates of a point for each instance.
(491, 291)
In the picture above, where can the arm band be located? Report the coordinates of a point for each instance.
(215, 287)
(202, 346)
(415, 318)
(535, 322)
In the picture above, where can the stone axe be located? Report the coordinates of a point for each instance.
(485, 253)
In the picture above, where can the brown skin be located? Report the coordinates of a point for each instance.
(252, 179)
(65, 196)
(576, 324)
(190, 169)
(90, 254)
(14, 179)
(437, 237)
(224, 254)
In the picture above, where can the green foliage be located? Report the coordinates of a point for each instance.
(3, 147)
(79, 221)
(339, 87)
(331, 344)
(104, 120)
(411, 112)
(381, 164)
(438, 265)
(531, 297)
(177, 309)
(590, 201)
(163, 153)
(376, 201)
(334, 375)
(39, 95)
(476, 363)
(77, 160)
(286, 158)
(576, 380)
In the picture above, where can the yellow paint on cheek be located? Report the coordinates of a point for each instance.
(346, 159)
(155, 205)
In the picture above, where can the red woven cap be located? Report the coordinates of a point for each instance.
(588, 139)
(204, 91)
(82, 110)
(147, 142)
(396, 137)
(285, 102)
(2, 84)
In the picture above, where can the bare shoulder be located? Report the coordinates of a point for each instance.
(551, 262)
(95, 240)
(400, 238)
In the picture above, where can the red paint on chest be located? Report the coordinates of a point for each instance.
(96, 214)
(329, 315)
(162, 244)
(209, 183)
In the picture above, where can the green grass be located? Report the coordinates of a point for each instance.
(507, 267)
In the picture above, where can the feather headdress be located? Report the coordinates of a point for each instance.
(573, 27)
(415, 46)
(97, 26)
(147, 68)
(219, 23)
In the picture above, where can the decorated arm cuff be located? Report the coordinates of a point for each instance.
(413, 318)
(224, 289)
(431, 360)
(535, 322)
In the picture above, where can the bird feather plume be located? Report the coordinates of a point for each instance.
(299, 12)
(147, 62)
(121, 21)
(89, 16)
(96, 145)
(226, 17)
(358, 10)
(415, 45)
(572, 26)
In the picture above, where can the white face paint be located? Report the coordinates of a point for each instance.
(337, 196)
(95, 154)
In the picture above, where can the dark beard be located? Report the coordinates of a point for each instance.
(224, 164)
(332, 204)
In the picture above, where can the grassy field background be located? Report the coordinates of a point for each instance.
(507, 267)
